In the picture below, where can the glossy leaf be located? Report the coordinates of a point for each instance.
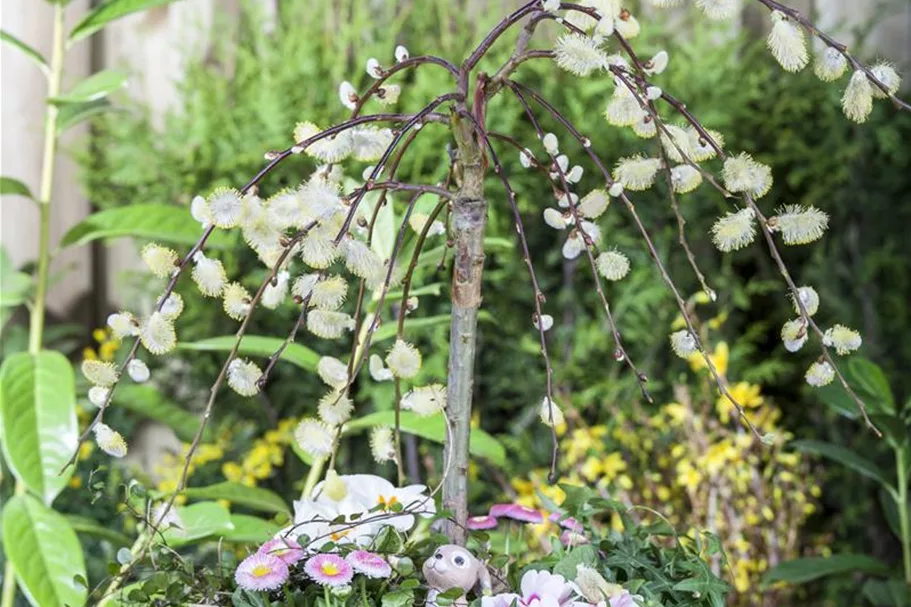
(236, 493)
(97, 86)
(40, 433)
(799, 571)
(162, 222)
(73, 113)
(45, 551)
(25, 49)
(845, 457)
(431, 428)
(258, 345)
(14, 187)
(250, 530)
(149, 402)
(108, 11)
(200, 521)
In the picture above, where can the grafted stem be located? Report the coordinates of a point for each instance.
(469, 220)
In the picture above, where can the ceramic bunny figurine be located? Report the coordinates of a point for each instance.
(453, 566)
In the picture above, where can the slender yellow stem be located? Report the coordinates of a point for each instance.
(903, 517)
(36, 327)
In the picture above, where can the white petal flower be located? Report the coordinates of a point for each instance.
(743, 174)
(333, 372)
(172, 306)
(208, 274)
(98, 396)
(335, 408)
(550, 413)
(162, 261)
(157, 334)
(122, 325)
(554, 218)
(719, 10)
(426, 400)
(243, 376)
(612, 265)
(362, 261)
(810, 299)
(594, 204)
(347, 95)
(374, 69)
(685, 178)
(857, 101)
(794, 334)
(401, 53)
(225, 207)
(799, 225)
(388, 94)
(329, 293)
(843, 339)
(734, 230)
(368, 143)
(274, 294)
(820, 374)
(304, 284)
(328, 324)
(403, 359)
(382, 444)
(109, 440)
(99, 372)
(578, 54)
(657, 64)
(544, 323)
(551, 145)
(830, 65)
(677, 143)
(637, 173)
(683, 343)
(886, 74)
(138, 371)
(377, 371)
(786, 41)
(314, 437)
(236, 301)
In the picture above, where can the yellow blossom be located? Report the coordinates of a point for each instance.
(719, 359)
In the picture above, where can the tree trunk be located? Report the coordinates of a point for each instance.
(469, 219)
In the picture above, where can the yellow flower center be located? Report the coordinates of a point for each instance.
(387, 503)
(329, 568)
(261, 570)
(336, 536)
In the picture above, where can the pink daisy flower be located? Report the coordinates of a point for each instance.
(516, 512)
(329, 570)
(261, 572)
(370, 564)
(567, 523)
(285, 549)
(477, 523)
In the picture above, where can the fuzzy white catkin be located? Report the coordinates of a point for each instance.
(702, 148)
(794, 334)
(857, 101)
(685, 178)
(578, 54)
(98, 396)
(623, 108)
(575, 174)
(787, 44)
(332, 371)
(110, 441)
(347, 94)
(734, 230)
(627, 26)
(208, 274)
(172, 306)
(550, 413)
(683, 343)
(545, 323)
(799, 225)
(157, 334)
(594, 204)
(329, 324)
(161, 261)
(551, 145)
(274, 294)
(677, 143)
(236, 301)
(719, 9)
(388, 94)
(100, 373)
(368, 143)
(401, 53)
(830, 65)
(842, 338)
(122, 324)
(138, 371)
(743, 174)
(335, 408)
(554, 218)
(810, 299)
(382, 444)
(885, 73)
(612, 265)
(426, 400)
(225, 207)
(377, 371)
(243, 376)
(404, 360)
(820, 374)
(657, 64)
(637, 173)
(374, 69)
(314, 437)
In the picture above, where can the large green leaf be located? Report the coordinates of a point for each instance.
(869, 383)
(108, 11)
(84, 525)
(432, 428)
(846, 457)
(14, 187)
(200, 521)
(164, 222)
(887, 593)
(72, 114)
(250, 530)
(45, 551)
(14, 285)
(97, 86)
(252, 497)
(40, 433)
(258, 345)
(25, 49)
(149, 402)
(804, 570)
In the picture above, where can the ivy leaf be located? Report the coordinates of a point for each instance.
(14, 187)
(109, 11)
(26, 50)
(97, 86)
